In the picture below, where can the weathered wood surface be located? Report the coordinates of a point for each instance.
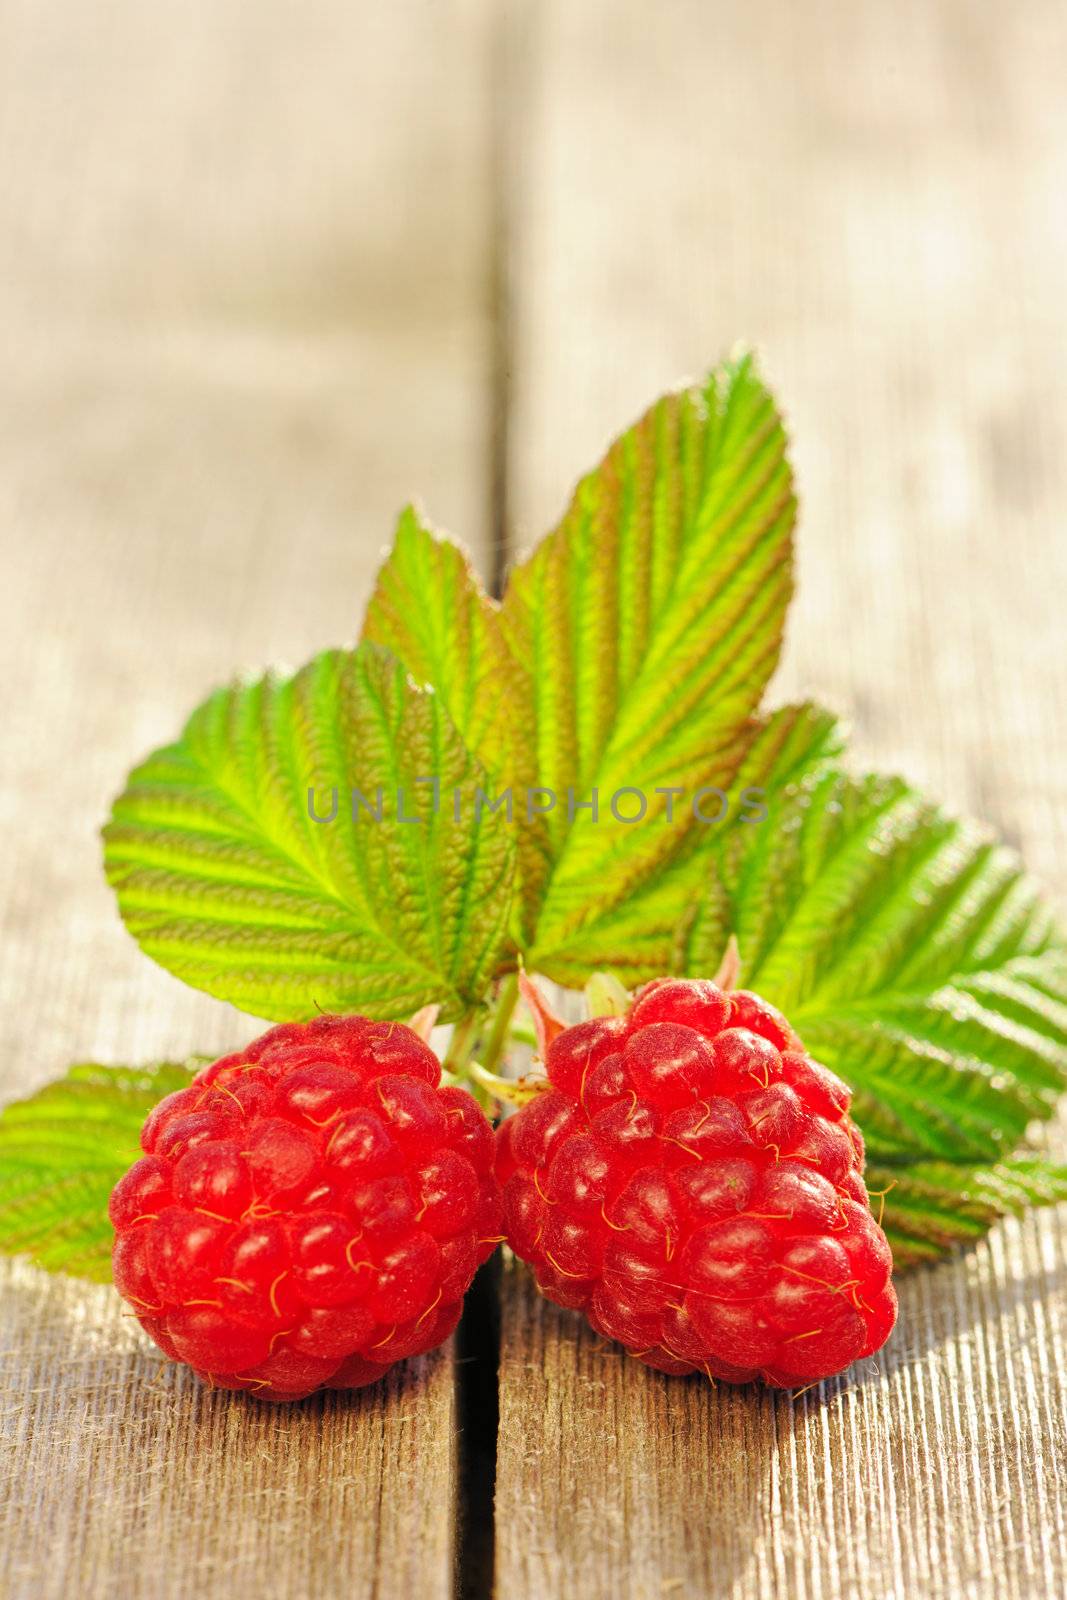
(875, 195)
(244, 316)
(248, 261)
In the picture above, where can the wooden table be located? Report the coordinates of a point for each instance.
(266, 272)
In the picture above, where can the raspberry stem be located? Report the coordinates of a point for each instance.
(496, 1043)
(461, 1045)
(471, 1038)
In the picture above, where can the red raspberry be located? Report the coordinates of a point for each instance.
(308, 1211)
(691, 1180)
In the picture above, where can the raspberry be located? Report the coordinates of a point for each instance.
(691, 1180)
(310, 1210)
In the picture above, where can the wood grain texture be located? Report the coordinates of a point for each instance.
(935, 1469)
(244, 317)
(126, 1476)
(874, 194)
(247, 256)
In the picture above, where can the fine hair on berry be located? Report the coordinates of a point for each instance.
(691, 1180)
(308, 1211)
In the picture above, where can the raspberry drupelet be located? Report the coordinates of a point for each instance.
(691, 1180)
(310, 1210)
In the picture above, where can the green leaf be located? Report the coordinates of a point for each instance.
(429, 609)
(431, 612)
(932, 1206)
(911, 955)
(635, 936)
(644, 630)
(225, 879)
(61, 1153)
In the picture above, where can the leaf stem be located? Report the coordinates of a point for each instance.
(464, 1035)
(497, 1040)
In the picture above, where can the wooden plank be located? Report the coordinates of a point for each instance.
(244, 314)
(873, 194)
(126, 1476)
